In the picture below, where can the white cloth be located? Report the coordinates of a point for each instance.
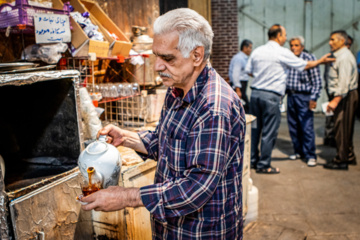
(269, 65)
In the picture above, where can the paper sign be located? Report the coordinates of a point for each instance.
(51, 28)
(324, 107)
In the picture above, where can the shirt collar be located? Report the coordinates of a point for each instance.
(273, 43)
(244, 55)
(340, 51)
(199, 84)
(194, 91)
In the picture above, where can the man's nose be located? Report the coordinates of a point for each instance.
(159, 65)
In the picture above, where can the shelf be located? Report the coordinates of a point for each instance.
(106, 100)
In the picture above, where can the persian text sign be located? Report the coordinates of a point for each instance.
(50, 28)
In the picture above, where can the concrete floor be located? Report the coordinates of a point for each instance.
(307, 203)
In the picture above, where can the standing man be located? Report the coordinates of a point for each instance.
(268, 64)
(303, 89)
(329, 135)
(238, 77)
(199, 142)
(342, 88)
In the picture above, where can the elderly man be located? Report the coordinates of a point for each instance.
(303, 89)
(198, 143)
(238, 76)
(342, 87)
(269, 65)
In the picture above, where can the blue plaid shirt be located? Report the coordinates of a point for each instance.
(199, 145)
(307, 81)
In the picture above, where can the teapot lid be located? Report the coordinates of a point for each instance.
(98, 147)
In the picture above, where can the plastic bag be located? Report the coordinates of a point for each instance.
(49, 53)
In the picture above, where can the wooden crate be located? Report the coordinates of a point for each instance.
(130, 223)
(246, 162)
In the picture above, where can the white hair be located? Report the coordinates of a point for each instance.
(300, 38)
(194, 30)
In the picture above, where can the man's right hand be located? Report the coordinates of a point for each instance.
(327, 59)
(238, 92)
(121, 137)
(115, 135)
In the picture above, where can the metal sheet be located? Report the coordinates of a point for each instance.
(29, 78)
(51, 212)
(16, 65)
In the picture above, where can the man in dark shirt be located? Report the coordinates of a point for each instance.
(303, 89)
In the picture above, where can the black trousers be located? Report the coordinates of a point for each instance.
(244, 96)
(344, 116)
(329, 135)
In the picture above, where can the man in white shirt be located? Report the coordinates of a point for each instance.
(269, 64)
(342, 88)
(238, 77)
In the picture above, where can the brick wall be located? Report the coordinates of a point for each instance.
(225, 26)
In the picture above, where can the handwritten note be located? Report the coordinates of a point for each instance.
(50, 28)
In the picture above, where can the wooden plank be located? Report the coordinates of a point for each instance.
(136, 171)
(138, 219)
(203, 7)
(126, 14)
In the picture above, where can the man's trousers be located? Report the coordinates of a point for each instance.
(301, 124)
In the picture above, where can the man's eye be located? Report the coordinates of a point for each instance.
(168, 59)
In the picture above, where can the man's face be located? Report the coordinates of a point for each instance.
(336, 42)
(174, 69)
(282, 37)
(296, 47)
(247, 50)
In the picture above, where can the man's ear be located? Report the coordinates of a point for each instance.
(198, 55)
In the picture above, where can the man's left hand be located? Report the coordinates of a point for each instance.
(113, 199)
(333, 104)
(312, 104)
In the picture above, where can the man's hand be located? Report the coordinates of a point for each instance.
(238, 92)
(327, 59)
(113, 199)
(333, 104)
(115, 135)
(312, 104)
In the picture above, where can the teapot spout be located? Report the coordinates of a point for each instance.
(94, 177)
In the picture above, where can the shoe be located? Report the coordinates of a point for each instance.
(311, 162)
(270, 170)
(295, 156)
(352, 162)
(336, 166)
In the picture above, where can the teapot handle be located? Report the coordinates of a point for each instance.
(102, 138)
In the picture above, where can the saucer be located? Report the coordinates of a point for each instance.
(78, 199)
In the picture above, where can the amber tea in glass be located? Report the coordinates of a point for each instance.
(93, 185)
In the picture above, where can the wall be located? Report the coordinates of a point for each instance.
(226, 40)
(314, 20)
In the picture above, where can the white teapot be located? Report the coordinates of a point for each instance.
(104, 158)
